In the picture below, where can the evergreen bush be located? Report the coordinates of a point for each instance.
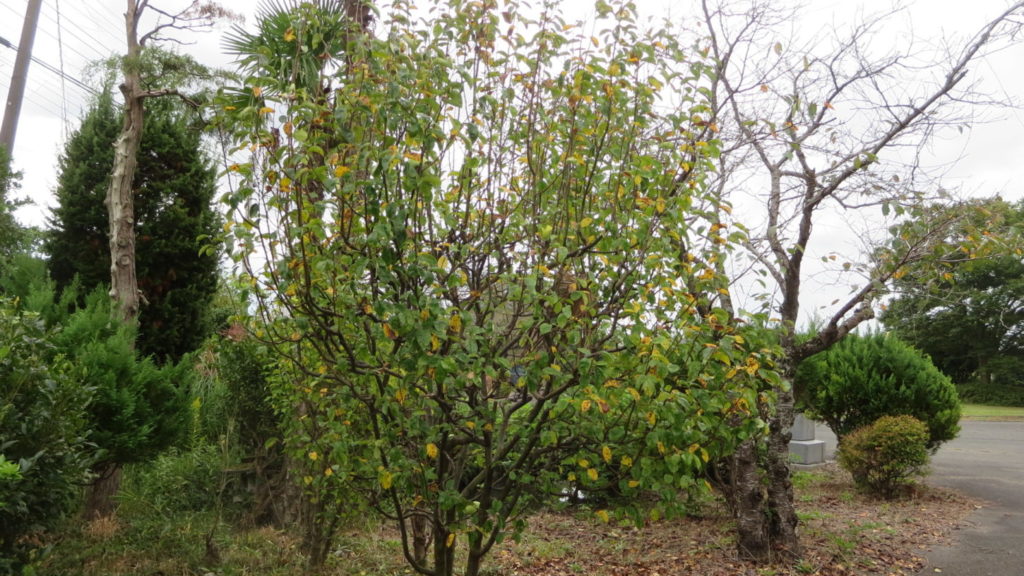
(863, 378)
(139, 408)
(885, 456)
(174, 184)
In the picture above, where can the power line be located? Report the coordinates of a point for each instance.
(106, 27)
(79, 34)
(7, 43)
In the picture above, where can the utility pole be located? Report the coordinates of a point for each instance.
(17, 90)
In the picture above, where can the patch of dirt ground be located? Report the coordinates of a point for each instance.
(843, 533)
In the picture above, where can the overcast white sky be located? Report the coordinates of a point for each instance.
(989, 158)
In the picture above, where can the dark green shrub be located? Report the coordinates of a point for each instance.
(885, 456)
(139, 409)
(43, 426)
(863, 378)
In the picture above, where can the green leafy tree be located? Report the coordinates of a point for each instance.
(174, 189)
(970, 318)
(43, 433)
(12, 236)
(863, 378)
(470, 241)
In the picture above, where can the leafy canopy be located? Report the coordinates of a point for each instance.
(474, 243)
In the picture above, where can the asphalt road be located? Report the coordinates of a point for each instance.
(987, 462)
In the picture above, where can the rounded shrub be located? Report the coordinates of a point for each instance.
(885, 456)
(863, 378)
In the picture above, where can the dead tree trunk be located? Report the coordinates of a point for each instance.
(121, 204)
(120, 201)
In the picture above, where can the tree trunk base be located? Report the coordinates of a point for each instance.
(100, 498)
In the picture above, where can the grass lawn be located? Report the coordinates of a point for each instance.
(993, 413)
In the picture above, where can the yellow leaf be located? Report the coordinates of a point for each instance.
(328, 472)
(661, 448)
(603, 515)
(450, 540)
(435, 343)
(606, 453)
(585, 406)
(308, 480)
(257, 91)
(470, 424)
(626, 462)
(634, 483)
(266, 110)
(455, 323)
(586, 222)
(592, 474)
(390, 332)
(415, 157)
(314, 456)
(400, 395)
(652, 418)
(386, 479)
(431, 451)
(289, 35)
(288, 126)
(340, 171)
(583, 463)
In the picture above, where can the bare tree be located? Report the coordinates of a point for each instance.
(831, 125)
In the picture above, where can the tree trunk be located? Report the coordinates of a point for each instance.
(476, 556)
(99, 498)
(782, 519)
(121, 214)
(444, 553)
(419, 536)
(120, 195)
(747, 499)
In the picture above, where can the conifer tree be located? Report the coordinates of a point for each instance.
(174, 187)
